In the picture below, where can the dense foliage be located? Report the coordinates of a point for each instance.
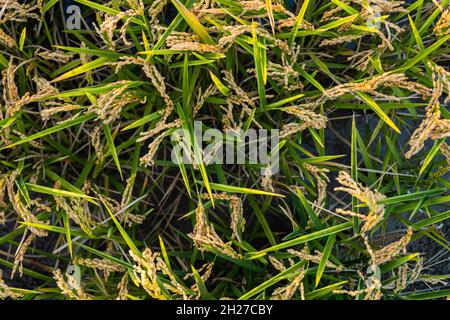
(93, 207)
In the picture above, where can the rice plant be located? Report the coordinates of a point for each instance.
(95, 94)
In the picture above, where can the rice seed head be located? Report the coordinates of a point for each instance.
(96, 143)
(123, 288)
(47, 113)
(155, 9)
(20, 254)
(184, 41)
(109, 105)
(315, 258)
(365, 195)
(433, 126)
(99, 264)
(277, 264)
(442, 27)
(445, 150)
(17, 12)
(388, 252)
(321, 183)
(145, 270)
(402, 282)
(10, 91)
(21, 209)
(69, 288)
(76, 209)
(110, 22)
(6, 40)
(6, 291)
(204, 236)
(310, 120)
(237, 219)
(56, 56)
(287, 292)
(340, 40)
(148, 159)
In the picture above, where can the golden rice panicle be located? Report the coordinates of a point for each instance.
(70, 288)
(3, 184)
(402, 282)
(445, 150)
(158, 82)
(189, 42)
(315, 258)
(129, 218)
(145, 269)
(43, 89)
(225, 42)
(125, 216)
(47, 113)
(155, 9)
(6, 39)
(204, 236)
(365, 195)
(372, 290)
(202, 96)
(287, 292)
(109, 105)
(267, 180)
(441, 76)
(210, 239)
(57, 56)
(149, 159)
(241, 97)
(2, 218)
(6, 291)
(284, 75)
(123, 288)
(388, 252)
(424, 131)
(340, 40)
(160, 126)
(442, 27)
(277, 264)
(99, 264)
(371, 85)
(237, 219)
(321, 183)
(18, 12)
(10, 90)
(200, 220)
(290, 22)
(310, 120)
(174, 285)
(128, 192)
(15, 103)
(110, 22)
(20, 254)
(35, 144)
(75, 210)
(94, 135)
(433, 126)
(21, 209)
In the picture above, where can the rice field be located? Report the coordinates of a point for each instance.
(128, 169)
